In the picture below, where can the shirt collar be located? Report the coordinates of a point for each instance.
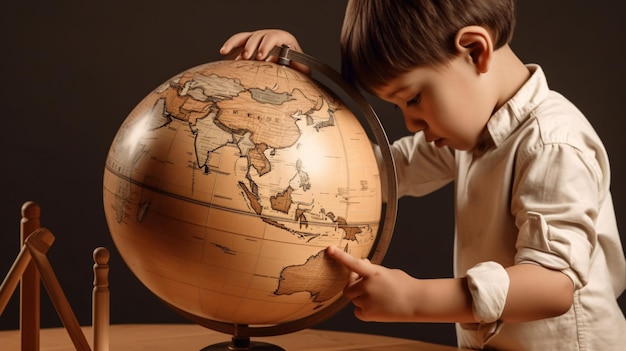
(515, 111)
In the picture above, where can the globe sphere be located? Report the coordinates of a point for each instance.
(223, 187)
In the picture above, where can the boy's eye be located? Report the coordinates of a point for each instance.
(415, 100)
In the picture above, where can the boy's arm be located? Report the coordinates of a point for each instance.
(382, 294)
(536, 292)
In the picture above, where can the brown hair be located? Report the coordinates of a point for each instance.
(382, 39)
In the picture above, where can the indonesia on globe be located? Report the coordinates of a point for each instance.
(224, 186)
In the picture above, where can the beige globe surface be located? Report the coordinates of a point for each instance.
(224, 186)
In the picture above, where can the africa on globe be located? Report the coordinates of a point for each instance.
(223, 187)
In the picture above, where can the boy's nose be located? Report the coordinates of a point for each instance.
(414, 125)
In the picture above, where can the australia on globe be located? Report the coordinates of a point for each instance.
(223, 187)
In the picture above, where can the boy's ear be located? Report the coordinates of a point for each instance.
(475, 42)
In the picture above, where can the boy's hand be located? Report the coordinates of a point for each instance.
(378, 293)
(258, 44)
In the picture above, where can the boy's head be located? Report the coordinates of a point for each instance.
(381, 39)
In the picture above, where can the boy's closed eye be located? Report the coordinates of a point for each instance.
(414, 101)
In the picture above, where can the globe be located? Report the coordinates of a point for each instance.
(224, 186)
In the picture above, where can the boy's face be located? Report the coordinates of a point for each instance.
(449, 103)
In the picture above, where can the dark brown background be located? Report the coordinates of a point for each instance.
(72, 70)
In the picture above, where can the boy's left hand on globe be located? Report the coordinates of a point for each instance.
(258, 44)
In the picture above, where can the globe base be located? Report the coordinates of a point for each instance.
(242, 344)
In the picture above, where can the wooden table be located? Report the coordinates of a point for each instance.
(183, 337)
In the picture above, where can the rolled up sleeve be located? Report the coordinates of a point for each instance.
(488, 283)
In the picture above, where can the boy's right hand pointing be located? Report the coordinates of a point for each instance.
(378, 293)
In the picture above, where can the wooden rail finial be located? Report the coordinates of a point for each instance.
(101, 302)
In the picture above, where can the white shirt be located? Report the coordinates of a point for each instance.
(534, 190)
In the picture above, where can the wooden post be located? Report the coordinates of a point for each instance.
(100, 303)
(30, 287)
(38, 245)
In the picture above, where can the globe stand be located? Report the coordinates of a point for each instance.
(241, 342)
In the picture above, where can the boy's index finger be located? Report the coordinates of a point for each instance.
(359, 266)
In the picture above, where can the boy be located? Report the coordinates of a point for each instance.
(538, 259)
